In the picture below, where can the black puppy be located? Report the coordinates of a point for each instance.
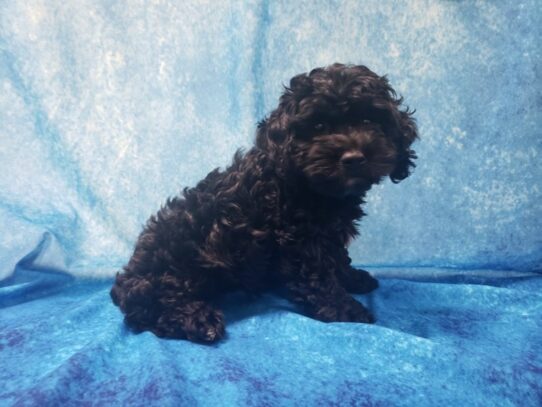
(281, 215)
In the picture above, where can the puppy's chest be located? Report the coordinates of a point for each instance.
(300, 224)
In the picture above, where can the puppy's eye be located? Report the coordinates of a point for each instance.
(320, 127)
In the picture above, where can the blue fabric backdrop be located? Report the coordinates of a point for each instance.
(107, 108)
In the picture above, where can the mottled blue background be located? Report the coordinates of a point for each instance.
(109, 107)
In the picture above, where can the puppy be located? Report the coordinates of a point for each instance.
(281, 215)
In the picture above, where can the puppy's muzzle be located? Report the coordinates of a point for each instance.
(353, 162)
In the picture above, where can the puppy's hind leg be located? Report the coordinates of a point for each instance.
(354, 280)
(162, 306)
(196, 321)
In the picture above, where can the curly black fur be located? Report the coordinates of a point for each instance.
(281, 215)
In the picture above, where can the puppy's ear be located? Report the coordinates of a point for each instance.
(407, 133)
(273, 130)
(301, 85)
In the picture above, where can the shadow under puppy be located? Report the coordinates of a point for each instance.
(280, 216)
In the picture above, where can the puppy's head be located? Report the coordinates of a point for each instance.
(342, 127)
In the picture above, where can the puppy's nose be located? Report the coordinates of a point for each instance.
(353, 160)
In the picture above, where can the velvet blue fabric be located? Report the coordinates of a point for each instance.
(442, 339)
(107, 108)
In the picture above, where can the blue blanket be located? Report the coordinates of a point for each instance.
(443, 338)
(107, 108)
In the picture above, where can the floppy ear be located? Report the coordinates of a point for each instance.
(273, 131)
(407, 133)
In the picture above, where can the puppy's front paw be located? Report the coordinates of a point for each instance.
(368, 281)
(356, 312)
(360, 282)
(348, 311)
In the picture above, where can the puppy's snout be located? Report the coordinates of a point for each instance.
(353, 161)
